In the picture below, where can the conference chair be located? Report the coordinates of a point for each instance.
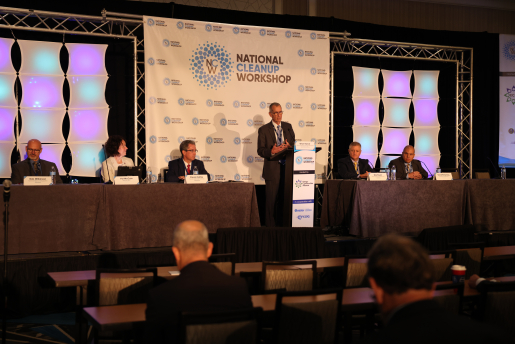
(225, 262)
(470, 255)
(497, 305)
(308, 317)
(289, 276)
(453, 300)
(453, 171)
(233, 326)
(481, 174)
(355, 271)
(442, 262)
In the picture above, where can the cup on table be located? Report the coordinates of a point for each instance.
(458, 273)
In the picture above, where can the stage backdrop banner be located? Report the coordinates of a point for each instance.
(212, 83)
(507, 100)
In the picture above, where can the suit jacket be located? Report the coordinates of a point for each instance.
(401, 168)
(199, 287)
(24, 168)
(346, 167)
(176, 169)
(266, 140)
(425, 322)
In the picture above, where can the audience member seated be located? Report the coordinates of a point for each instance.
(476, 282)
(353, 167)
(33, 165)
(116, 148)
(199, 287)
(402, 278)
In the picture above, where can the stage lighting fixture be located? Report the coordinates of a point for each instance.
(426, 140)
(86, 59)
(365, 82)
(40, 58)
(42, 92)
(45, 125)
(396, 84)
(367, 136)
(366, 111)
(394, 140)
(396, 112)
(88, 125)
(426, 84)
(87, 159)
(87, 92)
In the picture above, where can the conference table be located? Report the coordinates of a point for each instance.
(371, 209)
(82, 217)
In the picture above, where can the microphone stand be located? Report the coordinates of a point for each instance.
(427, 169)
(107, 167)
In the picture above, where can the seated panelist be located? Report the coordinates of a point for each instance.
(179, 168)
(33, 165)
(115, 148)
(353, 167)
(406, 163)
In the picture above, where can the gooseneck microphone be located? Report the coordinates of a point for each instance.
(107, 166)
(495, 169)
(427, 169)
(7, 190)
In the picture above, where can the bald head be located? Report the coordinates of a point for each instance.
(191, 243)
(408, 153)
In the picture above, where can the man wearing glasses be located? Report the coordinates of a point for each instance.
(273, 138)
(179, 168)
(33, 165)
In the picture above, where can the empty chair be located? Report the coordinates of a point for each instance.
(355, 271)
(450, 300)
(123, 286)
(453, 171)
(289, 276)
(497, 304)
(308, 317)
(442, 262)
(481, 174)
(228, 327)
(224, 262)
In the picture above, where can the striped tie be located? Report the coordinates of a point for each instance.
(279, 136)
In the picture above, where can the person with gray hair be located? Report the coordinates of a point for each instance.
(352, 167)
(199, 287)
(33, 165)
(402, 276)
(186, 165)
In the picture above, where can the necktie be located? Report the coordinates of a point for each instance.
(36, 169)
(279, 136)
(407, 169)
(355, 166)
(188, 169)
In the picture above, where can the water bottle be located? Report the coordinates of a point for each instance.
(53, 175)
(195, 170)
(503, 172)
(438, 170)
(149, 175)
(387, 170)
(393, 174)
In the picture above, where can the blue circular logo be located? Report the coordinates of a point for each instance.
(223, 122)
(301, 88)
(166, 43)
(168, 158)
(209, 27)
(153, 139)
(288, 106)
(236, 30)
(211, 177)
(314, 140)
(180, 25)
(223, 159)
(301, 124)
(237, 140)
(298, 160)
(262, 32)
(211, 65)
(250, 123)
(167, 120)
(194, 121)
(300, 52)
(151, 61)
(250, 159)
(166, 81)
(313, 106)
(313, 35)
(150, 22)
(209, 102)
(237, 177)
(181, 101)
(262, 105)
(236, 104)
(509, 50)
(288, 34)
(313, 71)
(154, 178)
(209, 140)
(152, 100)
(180, 139)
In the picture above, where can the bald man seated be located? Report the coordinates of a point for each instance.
(199, 287)
(33, 165)
(407, 163)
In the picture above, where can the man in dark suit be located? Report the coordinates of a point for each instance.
(273, 138)
(353, 167)
(33, 165)
(406, 163)
(178, 168)
(402, 278)
(199, 287)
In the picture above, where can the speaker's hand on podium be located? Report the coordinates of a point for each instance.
(277, 149)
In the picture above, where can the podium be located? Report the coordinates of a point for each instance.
(288, 155)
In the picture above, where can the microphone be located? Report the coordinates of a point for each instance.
(495, 169)
(107, 167)
(7, 190)
(370, 164)
(427, 169)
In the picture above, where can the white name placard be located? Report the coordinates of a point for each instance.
(377, 176)
(43, 180)
(304, 145)
(126, 180)
(443, 176)
(196, 179)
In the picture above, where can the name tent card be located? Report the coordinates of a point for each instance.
(37, 181)
(126, 180)
(196, 179)
(377, 176)
(443, 176)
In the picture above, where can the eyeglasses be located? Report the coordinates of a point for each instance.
(277, 113)
(192, 150)
(33, 150)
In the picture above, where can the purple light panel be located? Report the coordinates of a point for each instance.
(394, 140)
(396, 84)
(42, 92)
(426, 140)
(5, 55)
(371, 158)
(87, 59)
(40, 58)
(50, 152)
(7, 116)
(367, 136)
(7, 90)
(385, 159)
(396, 112)
(432, 162)
(6, 149)
(365, 82)
(426, 112)
(366, 111)
(88, 125)
(426, 84)
(87, 92)
(44, 125)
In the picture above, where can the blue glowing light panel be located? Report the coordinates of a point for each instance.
(432, 162)
(385, 159)
(42, 92)
(5, 55)
(45, 125)
(87, 92)
(396, 84)
(7, 90)
(6, 149)
(426, 140)
(365, 82)
(394, 140)
(367, 136)
(426, 112)
(366, 111)
(396, 112)
(40, 58)
(426, 84)
(87, 159)
(7, 117)
(88, 125)
(86, 59)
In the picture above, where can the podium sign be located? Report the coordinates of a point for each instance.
(303, 195)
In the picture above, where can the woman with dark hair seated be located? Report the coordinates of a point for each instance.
(116, 149)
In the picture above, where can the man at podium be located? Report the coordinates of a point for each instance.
(273, 138)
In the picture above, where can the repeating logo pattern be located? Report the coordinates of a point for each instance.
(180, 25)
(509, 50)
(153, 139)
(151, 61)
(150, 22)
(209, 140)
(166, 43)
(167, 120)
(152, 100)
(223, 159)
(250, 123)
(236, 104)
(168, 158)
(262, 105)
(237, 177)
(288, 34)
(313, 106)
(194, 121)
(301, 88)
(211, 65)
(223, 122)
(209, 102)
(510, 95)
(236, 30)
(313, 35)
(237, 140)
(288, 106)
(313, 71)
(166, 81)
(300, 52)
(262, 32)
(181, 101)
(301, 124)
(209, 27)
(250, 159)
(180, 139)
